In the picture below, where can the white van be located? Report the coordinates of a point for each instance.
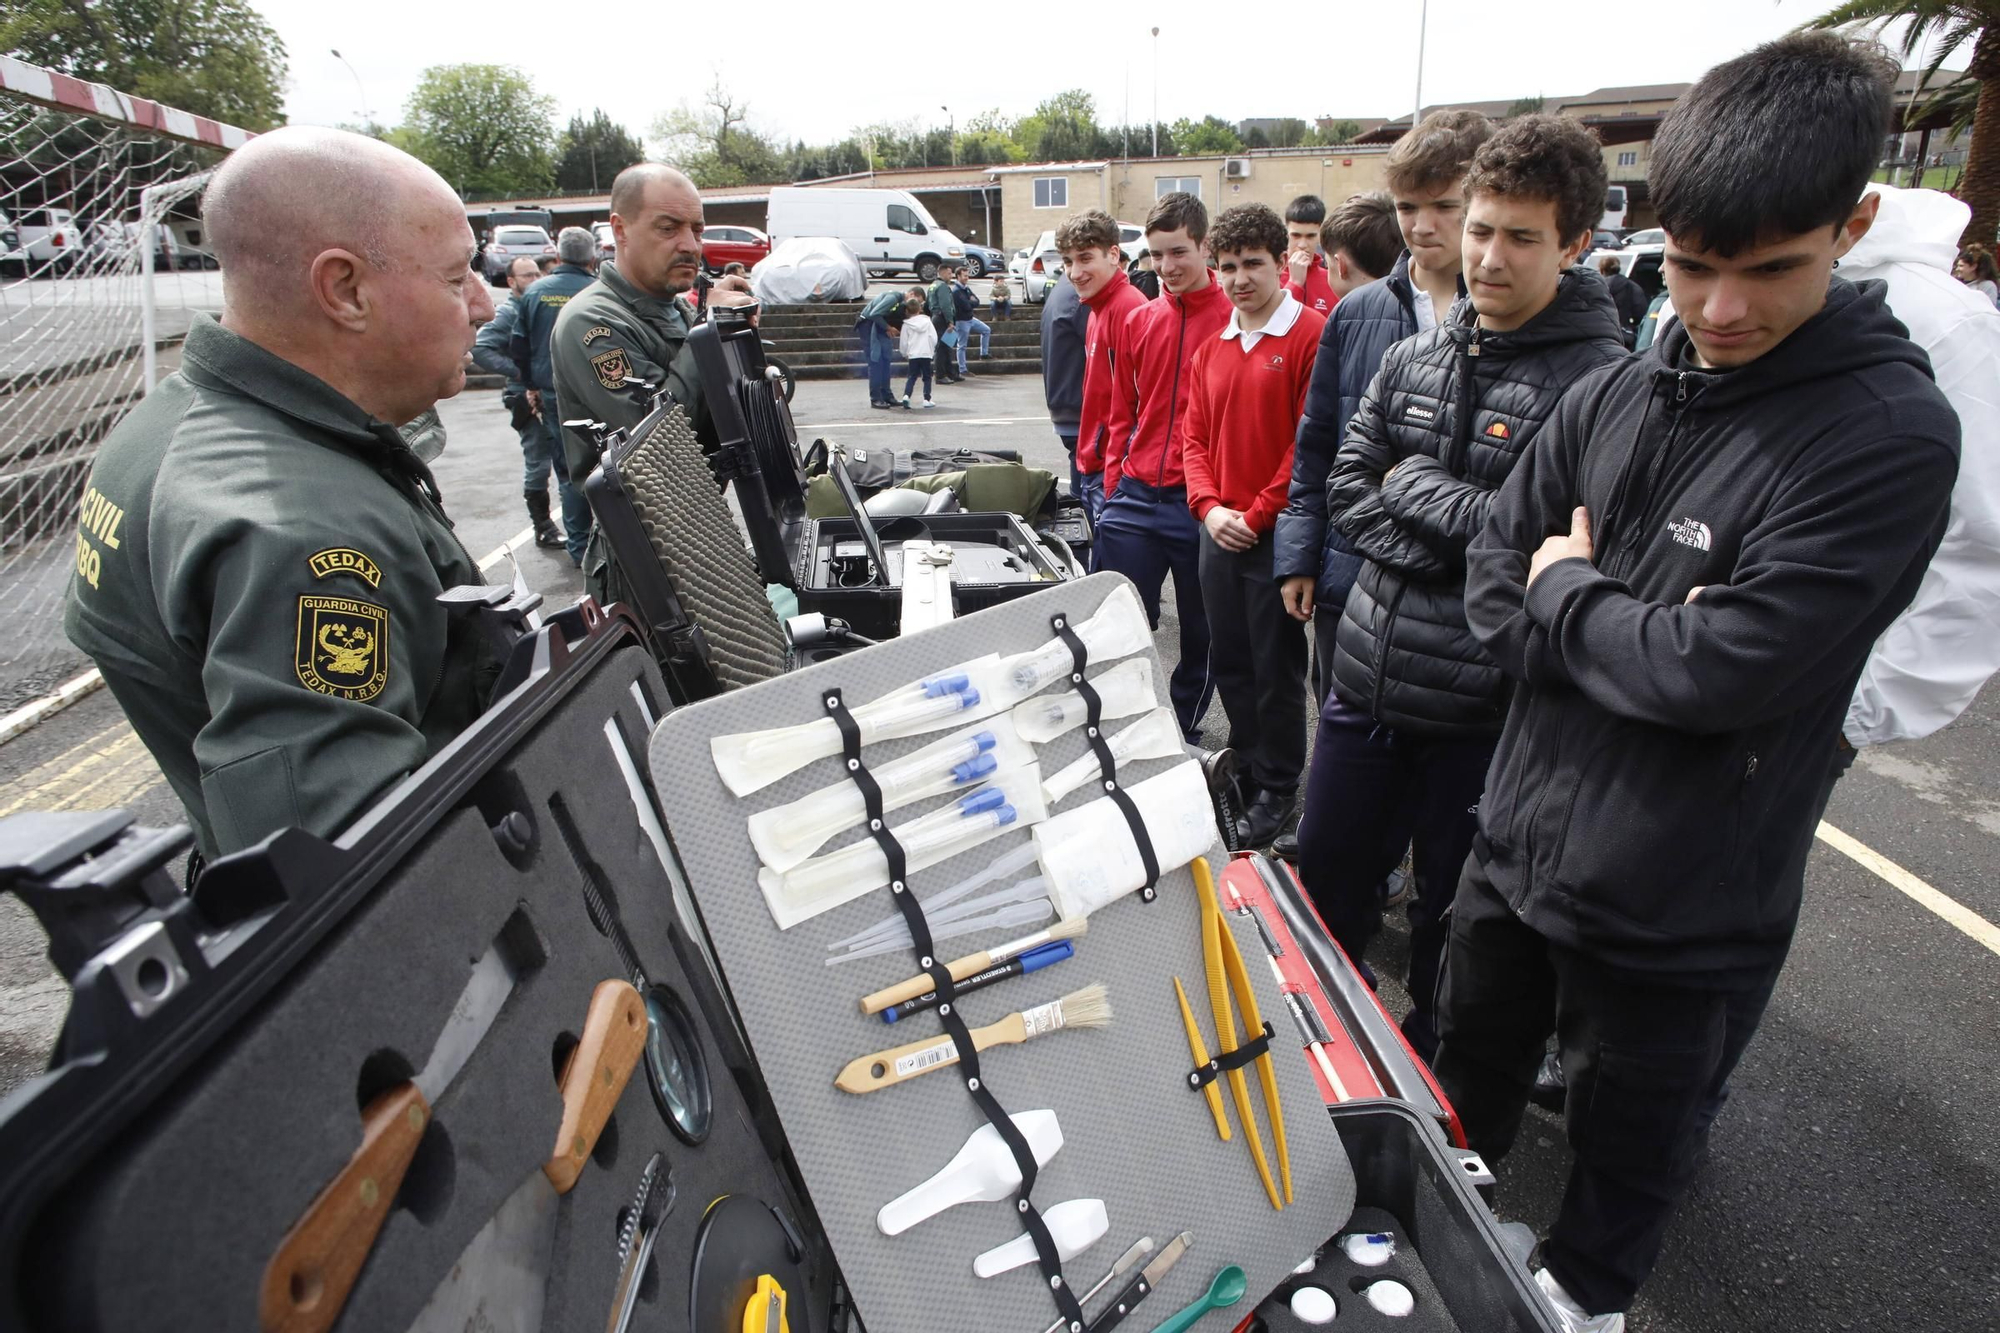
(888, 230)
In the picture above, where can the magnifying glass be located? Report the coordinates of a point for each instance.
(676, 1069)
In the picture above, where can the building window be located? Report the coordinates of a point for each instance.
(1051, 192)
(1629, 159)
(1163, 185)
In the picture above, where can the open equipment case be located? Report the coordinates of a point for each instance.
(682, 558)
(228, 1052)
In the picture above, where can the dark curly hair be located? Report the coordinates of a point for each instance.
(1544, 157)
(1249, 227)
(1092, 229)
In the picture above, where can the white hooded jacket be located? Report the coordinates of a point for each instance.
(1931, 661)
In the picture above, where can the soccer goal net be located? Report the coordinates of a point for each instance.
(102, 265)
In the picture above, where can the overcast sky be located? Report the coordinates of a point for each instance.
(806, 78)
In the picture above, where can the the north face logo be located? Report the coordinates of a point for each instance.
(1691, 532)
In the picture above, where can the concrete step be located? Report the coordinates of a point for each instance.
(857, 370)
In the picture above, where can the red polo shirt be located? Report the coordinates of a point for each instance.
(1243, 413)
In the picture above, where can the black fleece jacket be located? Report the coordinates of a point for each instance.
(1653, 795)
(1439, 430)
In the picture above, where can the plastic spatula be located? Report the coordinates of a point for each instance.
(982, 1171)
(1075, 1226)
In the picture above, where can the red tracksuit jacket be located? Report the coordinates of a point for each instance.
(1243, 416)
(1155, 345)
(1109, 308)
(1317, 293)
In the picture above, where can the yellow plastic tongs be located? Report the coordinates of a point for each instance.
(1226, 974)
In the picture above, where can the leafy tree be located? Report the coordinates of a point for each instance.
(1289, 132)
(1256, 138)
(215, 58)
(1209, 135)
(1062, 129)
(1526, 106)
(1335, 132)
(591, 152)
(1951, 25)
(715, 144)
(483, 127)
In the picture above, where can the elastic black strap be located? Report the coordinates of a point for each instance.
(1093, 731)
(1046, 1254)
(1203, 1075)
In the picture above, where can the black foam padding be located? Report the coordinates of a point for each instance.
(1343, 1279)
(172, 1230)
(667, 478)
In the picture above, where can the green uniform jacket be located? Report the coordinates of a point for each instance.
(608, 331)
(257, 568)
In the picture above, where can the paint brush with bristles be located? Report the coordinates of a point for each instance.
(1086, 1008)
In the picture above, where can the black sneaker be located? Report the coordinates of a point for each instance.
(1266, 816)
(1286, 847)
(1550, 1091)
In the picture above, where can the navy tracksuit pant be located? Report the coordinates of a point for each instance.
(1147, 533)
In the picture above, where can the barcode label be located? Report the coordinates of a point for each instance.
(928, 1058)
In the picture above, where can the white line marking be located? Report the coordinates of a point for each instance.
(1942, 905)
(514, 543)
(29, 715)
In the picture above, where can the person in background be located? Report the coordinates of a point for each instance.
(530, 345)
(1140, 271)
(1065, 334)
(1093, 262)
(1416, 706)
(1147, 533)
(541, 452)
(546, 264)
(1628, 296)
(735, 268)
(1313, 562)
(919, 344)
(1660, 310)
(1975, 268)
(940, 309)
(1360, 241)
(1683, 581)
(879, 328)
(966, 322)
(1002, 297)
(1243, 411)
(1305, 265)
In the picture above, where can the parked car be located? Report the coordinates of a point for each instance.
(607, 241)
(890, 231)
(730, 243)
(13, 259)
(195, 252)
(52, 239)
(509, 244)
(1131, 240)
(1044, 267)
(983, 259)
(1017, 267)
(108, 243)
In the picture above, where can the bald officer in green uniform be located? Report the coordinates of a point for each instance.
(259, 550)
(628, 324)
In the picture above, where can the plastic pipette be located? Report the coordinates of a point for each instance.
(1020, 858)
(898, 931)
(1007, 918)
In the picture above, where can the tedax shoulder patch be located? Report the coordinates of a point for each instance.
(342, 647)
(345, 560)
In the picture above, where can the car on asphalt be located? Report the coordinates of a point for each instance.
(728, 243)
(607, 241)
(889, 231)
(107, 243)
(509, 244)
(1131, 240)
(53, 240)
(1017, 267)
(13, 259)
(983, 259)
(1640, 258)
(1044, 267)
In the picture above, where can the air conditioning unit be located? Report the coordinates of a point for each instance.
(1236, 168)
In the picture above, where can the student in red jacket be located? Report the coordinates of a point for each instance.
(1146, 531)
(1096, 267)
(1304, 269)
(1243, 412)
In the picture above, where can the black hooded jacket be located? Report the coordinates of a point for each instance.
(1439, 430)
(1653, 797)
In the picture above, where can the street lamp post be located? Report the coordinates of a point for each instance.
(1423, 23)
(367, 116)
(1156, 92)
(951, 133)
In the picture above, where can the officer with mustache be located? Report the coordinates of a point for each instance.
(628, 325)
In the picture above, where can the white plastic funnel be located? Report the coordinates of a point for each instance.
(1075, 1226)
(982, 1171)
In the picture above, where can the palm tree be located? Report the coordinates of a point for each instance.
(1953, 23)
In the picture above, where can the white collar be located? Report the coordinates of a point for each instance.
(1277, 326)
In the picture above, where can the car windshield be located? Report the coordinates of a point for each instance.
(521, 236)
(1652, 237)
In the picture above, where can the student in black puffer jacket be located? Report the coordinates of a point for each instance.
(1416, 707)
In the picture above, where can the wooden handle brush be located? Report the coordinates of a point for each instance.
(1087, 1008)
(961, 968)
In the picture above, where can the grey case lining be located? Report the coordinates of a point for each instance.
(1134, 1134)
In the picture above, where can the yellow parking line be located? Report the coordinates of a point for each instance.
(110, 769)
(1940, 904)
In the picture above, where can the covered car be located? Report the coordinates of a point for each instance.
(808, 268)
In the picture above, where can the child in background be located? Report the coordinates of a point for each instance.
(919, 345)
(1002, 297)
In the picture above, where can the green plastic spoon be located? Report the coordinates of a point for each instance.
(1227, 1289)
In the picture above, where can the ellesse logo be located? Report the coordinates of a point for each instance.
(1420, 414)
(1691, 532)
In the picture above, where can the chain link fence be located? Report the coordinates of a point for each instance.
(102, 267)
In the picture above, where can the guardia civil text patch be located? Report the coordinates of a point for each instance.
(343, 647)
(611, 367)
